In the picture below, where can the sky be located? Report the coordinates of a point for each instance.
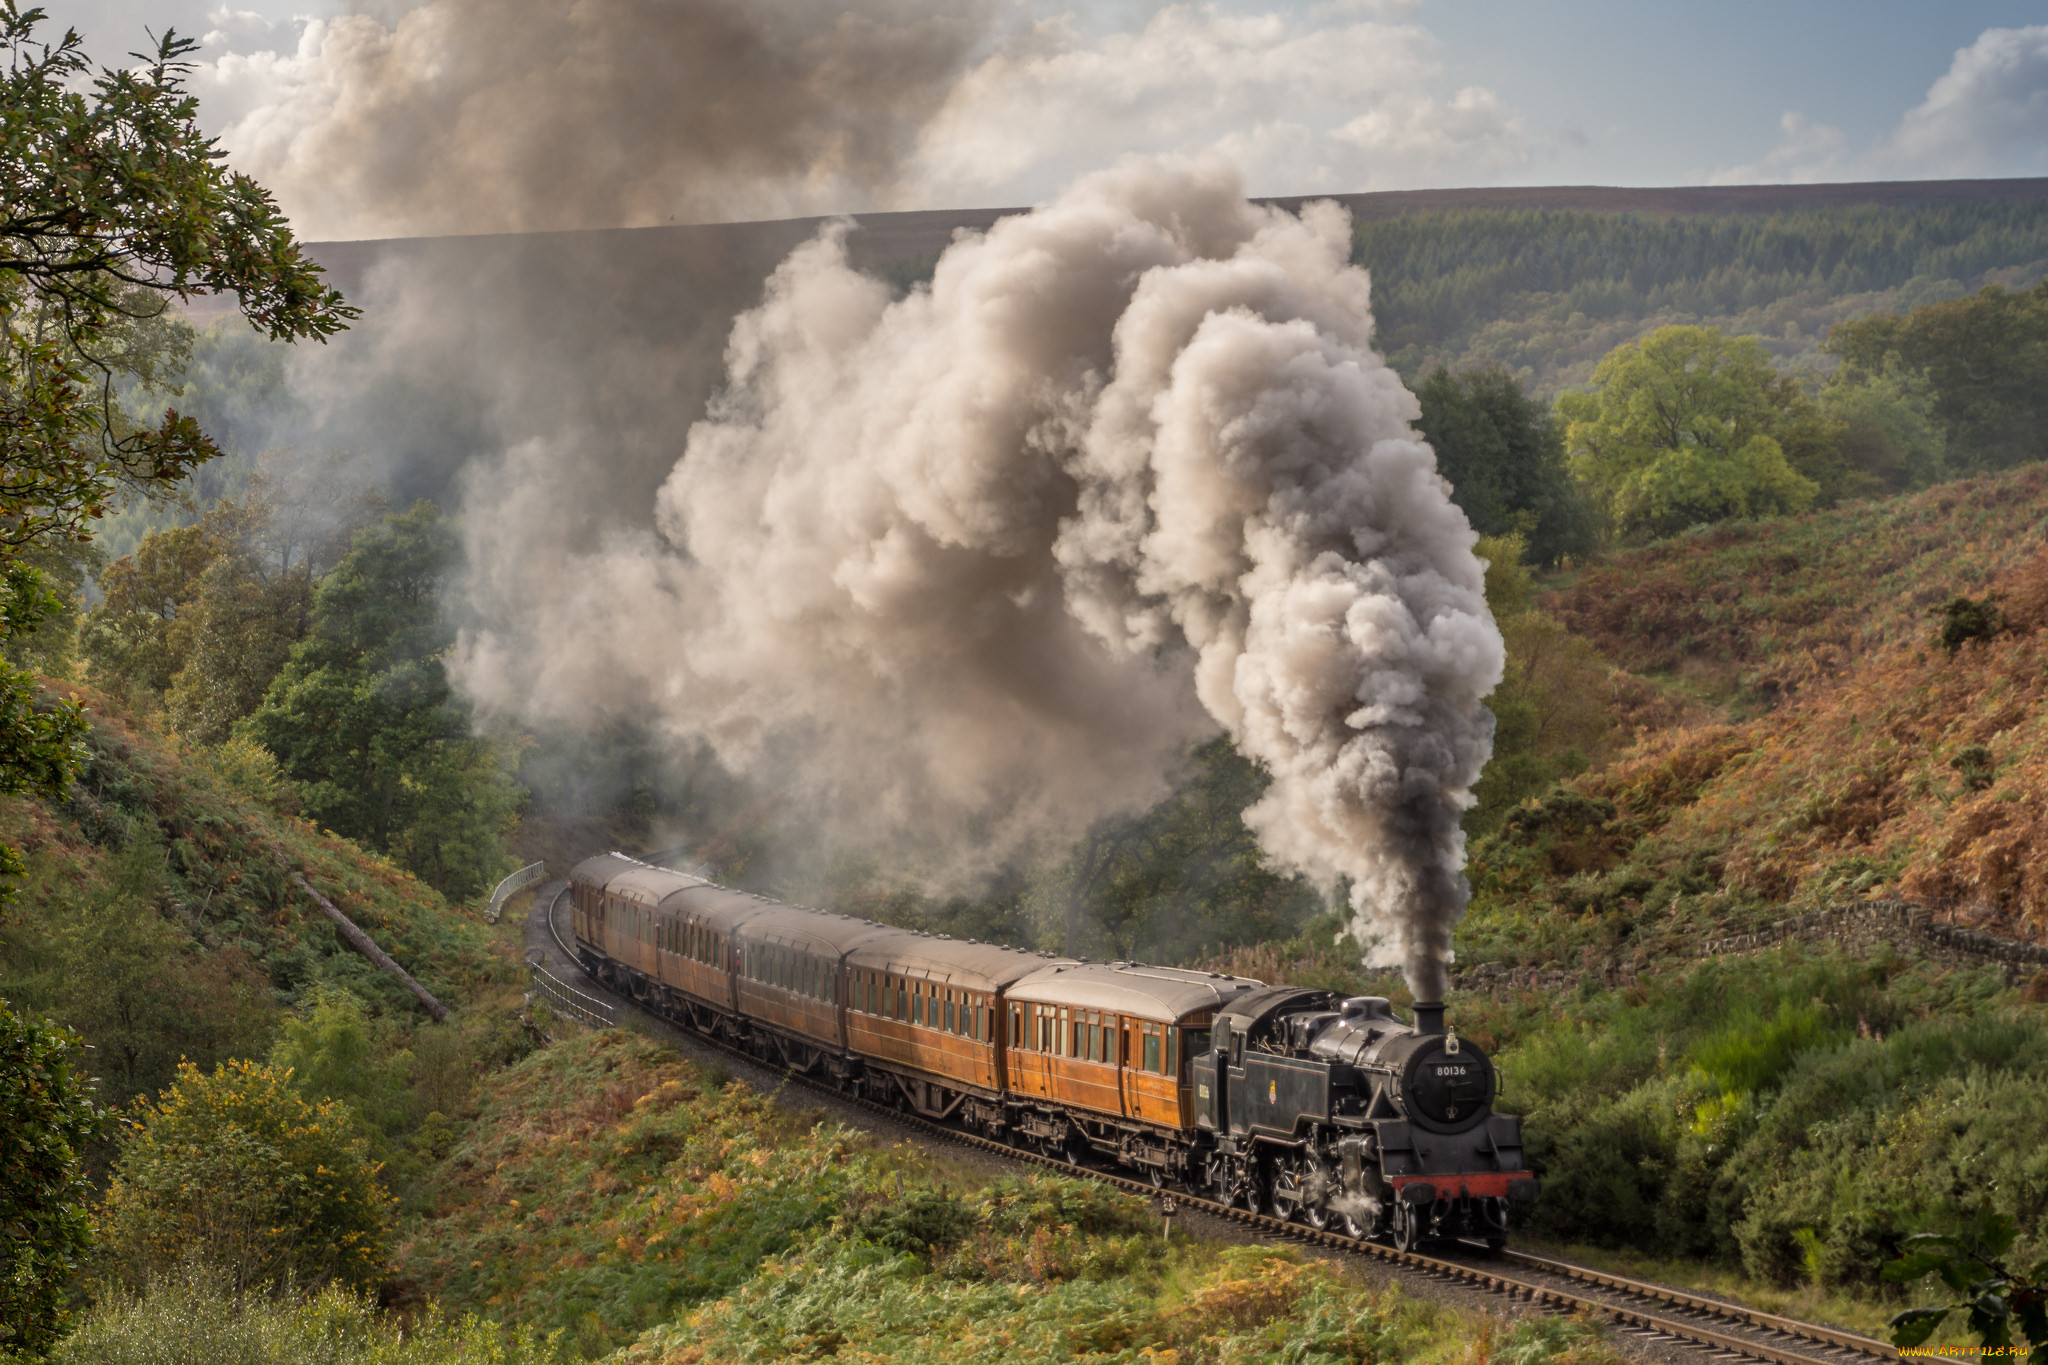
(343, 110)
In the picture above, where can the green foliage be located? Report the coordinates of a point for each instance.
(364, 722)
(602, 1189)
(106, 958)
(47, 1115)
(1964, 619)
(194, 1317)
(1546, 294)
(1886, 433)
(1504, 457)
(1796, 1116)
(1549, 718)
(332, 1051)
(39, 738)
(1185, 874)
(1996, 1298)
(236, 1171)
(116, 200)
(1984, 362)
(1686, 427)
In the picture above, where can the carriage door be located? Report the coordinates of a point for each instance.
(1124, 1077)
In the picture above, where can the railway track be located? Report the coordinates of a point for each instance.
(1653, 1311)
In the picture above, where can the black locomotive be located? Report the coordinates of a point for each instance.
(1335, 1111)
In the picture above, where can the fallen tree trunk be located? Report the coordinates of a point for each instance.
(367, 946)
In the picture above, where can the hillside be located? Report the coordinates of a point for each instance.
(1833, 746)
(157, 917)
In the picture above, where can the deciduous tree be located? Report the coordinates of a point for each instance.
(238, 1171)
(1684, 427)
(1504, 456)
(366, 726)
(112, 204)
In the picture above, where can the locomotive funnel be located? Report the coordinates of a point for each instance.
(1429, 1016)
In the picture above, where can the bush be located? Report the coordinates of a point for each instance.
(1964, 619)
(193, 1318)
(238, 1172)
(46, 1114)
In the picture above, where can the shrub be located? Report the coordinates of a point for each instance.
(46, 1114)
(195, 1318)
(237, 1171)
(1964, 619)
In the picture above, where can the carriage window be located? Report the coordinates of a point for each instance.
(1173, 1052)
(949, 1013)
(902, 1001)
(1151, 1050)
(1018, 1038)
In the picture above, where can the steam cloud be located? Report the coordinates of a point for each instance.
(978, 561)
(527, 115)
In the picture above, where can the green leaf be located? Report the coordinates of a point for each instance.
(1915, 1325)
(1915, 1265)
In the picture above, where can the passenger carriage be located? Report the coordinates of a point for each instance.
(1098, 1057)
(928, 1013)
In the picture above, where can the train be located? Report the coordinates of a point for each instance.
(1291, 1101)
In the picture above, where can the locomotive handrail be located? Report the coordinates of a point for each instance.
(564, 999)
(512, 886)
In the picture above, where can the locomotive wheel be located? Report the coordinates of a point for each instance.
(1315, 1194)
(1407, 1228)
(1286, 1199)
(1155, 1176)
(1351, 1226)
(1237, 1183)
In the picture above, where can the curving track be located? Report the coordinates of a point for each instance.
(1721, 1329)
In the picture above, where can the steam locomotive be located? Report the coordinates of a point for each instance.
(1290, 1101)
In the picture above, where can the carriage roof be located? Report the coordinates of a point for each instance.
(1168, 994)
(952, 961)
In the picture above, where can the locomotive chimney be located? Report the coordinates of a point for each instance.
(1429, 1016)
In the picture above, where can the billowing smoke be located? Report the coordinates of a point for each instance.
(974, 563)
(525, 115)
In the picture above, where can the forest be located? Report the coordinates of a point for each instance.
(1761, 498)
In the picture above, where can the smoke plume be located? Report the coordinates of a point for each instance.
(527, 115)
(975, 563)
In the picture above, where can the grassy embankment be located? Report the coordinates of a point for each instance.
(615, 1193)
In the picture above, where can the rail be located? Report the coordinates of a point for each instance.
(1654, 1309)
(512, 886)
(565, 1000)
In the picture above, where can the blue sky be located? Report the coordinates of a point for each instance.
(1305, 97)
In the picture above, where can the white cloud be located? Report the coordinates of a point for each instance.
(1986, 116)
(1810, 152)
(1327, 101)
